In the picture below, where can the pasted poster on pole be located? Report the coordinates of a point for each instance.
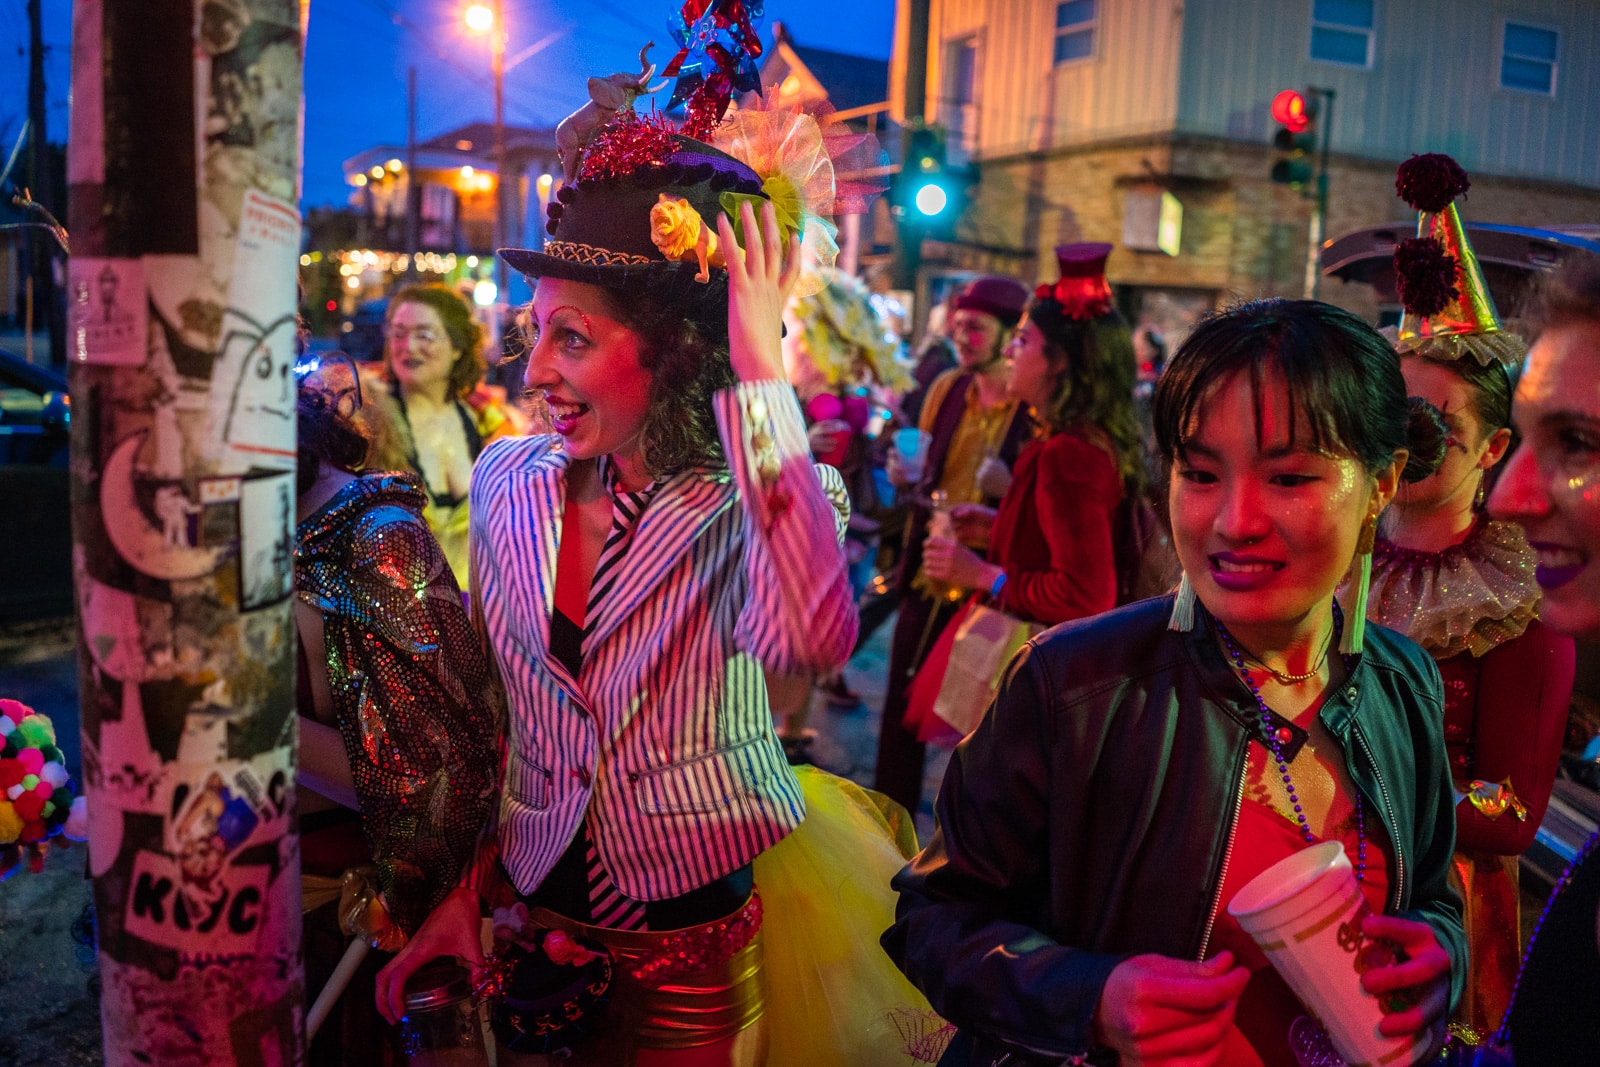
(108, 313)
(252, 385)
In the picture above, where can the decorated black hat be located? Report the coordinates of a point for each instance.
(642, 209)
(655, 190)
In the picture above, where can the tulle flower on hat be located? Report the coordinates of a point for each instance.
(784, 146)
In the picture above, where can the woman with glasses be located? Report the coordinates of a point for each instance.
(432, 414)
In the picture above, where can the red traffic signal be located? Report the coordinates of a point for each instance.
(1290, 109)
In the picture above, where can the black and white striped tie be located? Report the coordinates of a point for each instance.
(607, 906)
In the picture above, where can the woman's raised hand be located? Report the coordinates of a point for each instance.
(1155, 1009)
(454, 928)
(760, 279)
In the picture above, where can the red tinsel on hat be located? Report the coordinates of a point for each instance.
(629, 142)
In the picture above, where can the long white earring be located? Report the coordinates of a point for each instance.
(1183, 607)
(1355, 617)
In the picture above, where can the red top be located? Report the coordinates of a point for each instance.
(1053, 532)
(1267, 1008)
(1505, 714)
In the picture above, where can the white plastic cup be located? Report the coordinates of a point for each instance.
(912, 444)
(1305, 913)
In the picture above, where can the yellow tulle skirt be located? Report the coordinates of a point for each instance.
(833, 995)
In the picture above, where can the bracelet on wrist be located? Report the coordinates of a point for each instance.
(998, 584)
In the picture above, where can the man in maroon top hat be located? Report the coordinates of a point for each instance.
(976, 430)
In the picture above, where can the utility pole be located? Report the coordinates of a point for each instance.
(1319, 205)
(39, 288)
(184, 179)
(908, 237)
(498, 54)
(413, 190)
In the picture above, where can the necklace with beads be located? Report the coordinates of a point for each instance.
(1276, 733)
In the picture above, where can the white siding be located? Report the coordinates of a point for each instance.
(1434, 85)
(1027, 103)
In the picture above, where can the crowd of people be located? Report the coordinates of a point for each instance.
(556, 662)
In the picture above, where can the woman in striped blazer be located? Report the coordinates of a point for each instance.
(634, 572)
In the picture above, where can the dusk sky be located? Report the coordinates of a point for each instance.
(358, 52)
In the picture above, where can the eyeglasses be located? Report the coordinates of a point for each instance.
(423, 335)
(335, 377)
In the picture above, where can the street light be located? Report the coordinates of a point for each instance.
(490, 18)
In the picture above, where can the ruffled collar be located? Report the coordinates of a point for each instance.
(1472, 597)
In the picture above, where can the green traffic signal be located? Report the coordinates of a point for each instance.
(930, 199)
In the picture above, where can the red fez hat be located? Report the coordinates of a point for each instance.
(1083, 291)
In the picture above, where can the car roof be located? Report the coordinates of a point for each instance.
(18, 373)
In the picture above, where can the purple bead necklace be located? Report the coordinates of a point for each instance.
(1275, 738)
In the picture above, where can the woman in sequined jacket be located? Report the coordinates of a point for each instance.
(399, 710)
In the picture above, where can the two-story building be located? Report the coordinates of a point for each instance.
(1086, 118)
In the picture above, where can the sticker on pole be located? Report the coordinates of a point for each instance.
(108, 311)
(252, 386)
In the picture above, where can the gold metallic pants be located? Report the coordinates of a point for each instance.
(660, 1000)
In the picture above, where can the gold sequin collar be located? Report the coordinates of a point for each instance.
(1472, 597)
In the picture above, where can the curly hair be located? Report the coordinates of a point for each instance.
(685, 353)
(324, 435)
(466, 335)
(1095, 389)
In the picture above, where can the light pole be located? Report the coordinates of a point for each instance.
(490, 18)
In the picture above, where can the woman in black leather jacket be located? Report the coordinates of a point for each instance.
(1126, 781)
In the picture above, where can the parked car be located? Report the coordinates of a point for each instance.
(36, 565)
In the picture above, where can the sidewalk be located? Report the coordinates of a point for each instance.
(847, 741)
(52, 1019)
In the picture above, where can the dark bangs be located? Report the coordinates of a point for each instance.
(1346, 393)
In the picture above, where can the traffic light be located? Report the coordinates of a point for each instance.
(1296, 138)
(928, 193)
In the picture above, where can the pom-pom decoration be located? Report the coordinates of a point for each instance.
(1430, 182)
(1425, 275)
(36, 793)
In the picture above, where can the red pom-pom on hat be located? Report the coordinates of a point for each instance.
(15, 710)
(11, 773)
(1425, 275)
(1429, 182)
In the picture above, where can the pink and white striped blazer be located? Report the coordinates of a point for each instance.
(665, 740)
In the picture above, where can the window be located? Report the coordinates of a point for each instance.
(1075, 30)
(961, 94)
(1528, 59)
(1342, 32)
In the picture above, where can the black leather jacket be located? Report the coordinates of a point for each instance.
(1088, 819)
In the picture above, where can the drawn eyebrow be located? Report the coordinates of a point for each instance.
(551, 318)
